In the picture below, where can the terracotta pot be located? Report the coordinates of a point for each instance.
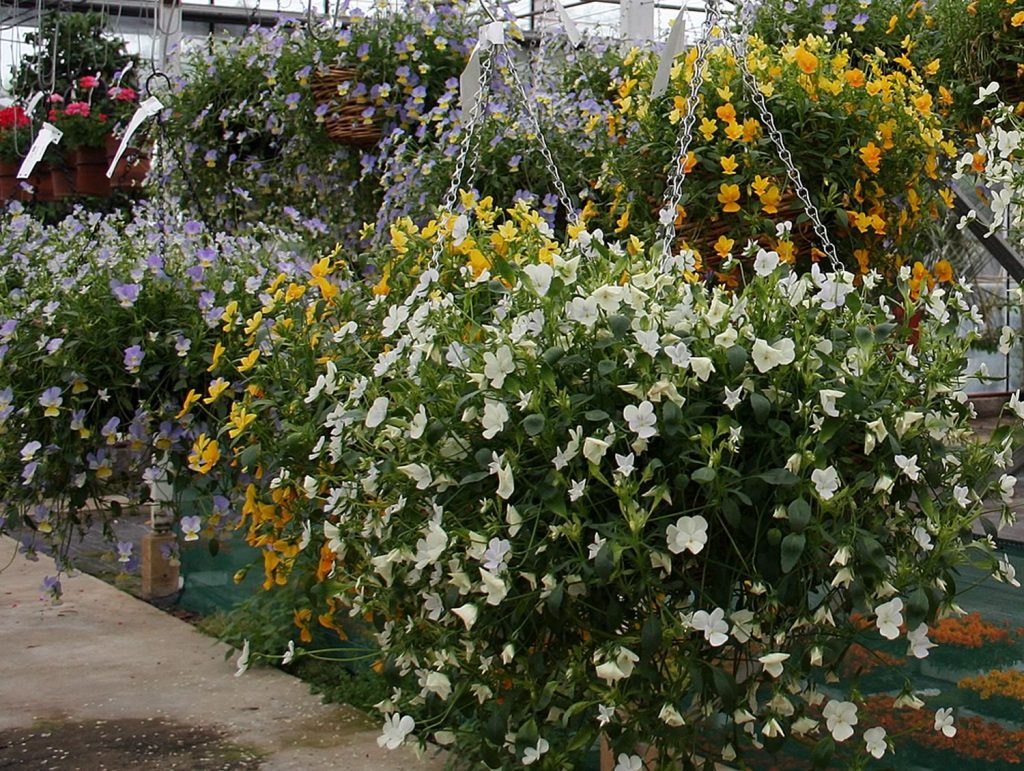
(91, 171)
(62, 179)
(8, 179)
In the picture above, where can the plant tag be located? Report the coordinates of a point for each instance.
(33, 102)
(147, 108)
(673, 47)
(491, 34)
(125, 71)
(48, 134)
(571, 30)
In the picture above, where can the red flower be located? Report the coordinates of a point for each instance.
(13, 117)
(123, 94)
(78, 108)
(88, 81)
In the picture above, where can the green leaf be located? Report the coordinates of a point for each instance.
(650, 637)
(604, 562)
(606, 367)
(555, 599)
(725, 687)
(917, 608)
(250, 455)
(596, 416)
(737, 356)
(799, 514)
(475, 477)
(214, 547)
(619, 325)
(864, 336)
(792, 549)
(829, 429)
(823, 752)
(731, 512)
(704, 475)
(779, 477)
(761, 406)
(533, 424)
(553, 354)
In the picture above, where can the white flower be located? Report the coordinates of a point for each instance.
(498, 365)
(494, 418)
(874, 740)
(540, 276)
(430, 548)
(467, 613)
(625, 464)
(604, 715)
(397, 315)
(594, 449)
(773, 663)
(1006, 485)
(984, 92)
(649, 341)
(919, 642)
(594, 549)
(532, 754)
(419, 473)
(766, 357)
(396, 728)
(908, 466)
(889, 617)
(765, 262)
(493, 587)
(576, 490)
(679, 354)
(702, 367)
(243, 660)
(497, 550)
(923, 538)
(670, 716)
(840, 718)
(608, 297)
(377, 413)
(733, 397)
(629, 763)
(713, 625)
(460, 229)
(828, 398)
(826, 482)
(506, 482)
(618, 669)
(687, 533)
(772, 728)
(960, 495)
(944, 722)
(582, 310)
(289, 654)
(641, 419)
(1006, 572)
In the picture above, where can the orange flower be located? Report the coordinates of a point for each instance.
(691, 161)
(978, 162)
(727, 113)
(750, 129)
(854, 77)
(734, 131)
(723, 246)
(728, 196)
(806, 61)
(872, 156)
(863, 261)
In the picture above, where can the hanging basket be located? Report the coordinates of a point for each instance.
(345, 122)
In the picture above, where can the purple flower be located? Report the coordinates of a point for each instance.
(829, 25)
(126, 294)
(54, 345)
(124, 551)
(7, 329)
(860, 19)
(133, 356)
(194, 227)
(109, 429)
(292, 100)
(50, 587)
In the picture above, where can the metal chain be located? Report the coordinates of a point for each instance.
(545, 151)
(465, 144)
(787, 159)
(674, 187)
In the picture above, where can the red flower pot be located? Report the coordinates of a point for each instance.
(8, 179)
(91, 171)
(131, 169)
(62, 179)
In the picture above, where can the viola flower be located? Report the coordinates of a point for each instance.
(840, 718)
(713, 625)
(871, 155)
(190, 527)
(728, 196)
(124, 552)
(51, 400)
(641, 419)
(133, 356)
(396, 729)
(944, 722)
(874, 741)
(687, 534)
(889, 618)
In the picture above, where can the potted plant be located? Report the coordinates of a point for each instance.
(15, 139)
(86, 126)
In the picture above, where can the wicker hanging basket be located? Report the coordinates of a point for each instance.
(345, 121)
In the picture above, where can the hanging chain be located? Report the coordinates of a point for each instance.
(787, 159)
(549, 161)
(674, 187)
(465, 144)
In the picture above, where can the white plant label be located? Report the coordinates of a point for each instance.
(492, 34)
(48, 134)
(571, 30)
(147, 108)
(33, 102)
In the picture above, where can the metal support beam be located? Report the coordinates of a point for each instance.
(995, 244)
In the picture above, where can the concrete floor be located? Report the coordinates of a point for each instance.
(104, 655)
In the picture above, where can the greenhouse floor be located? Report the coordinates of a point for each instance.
(107, 681)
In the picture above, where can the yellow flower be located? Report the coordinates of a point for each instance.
(399, 240)
(1017, 19)
(690, 162)
(190, 399)
(240, 420)
(729, 164)
(381, 287)
(770, 200)
(734, 131)
(723, 246)
(218, 351)
(806, 61)
(854, 77)
(750, 129)
(760, 184)
(478, 263)
(294, 292)
(248, 362)
(893, 21)
(205, 454)
(863, 261)
(786, 251)
(931, 67)
(728, 195)
(724, 93)
(623, 222)
(217, 387)
(708, 128)
(872, 156)
(947, 197)
(944, 271)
